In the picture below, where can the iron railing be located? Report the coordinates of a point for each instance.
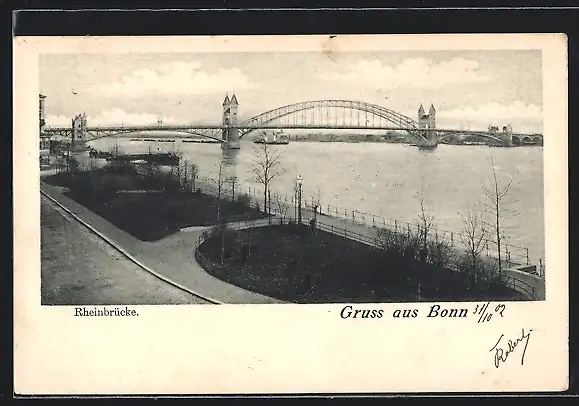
(512, 255)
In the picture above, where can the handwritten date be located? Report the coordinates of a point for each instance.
(486, 314)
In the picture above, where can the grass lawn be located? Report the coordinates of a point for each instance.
(290, 263)
(79, 269)
(152, 216)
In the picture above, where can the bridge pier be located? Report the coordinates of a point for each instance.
(507, 136)
(231, 137)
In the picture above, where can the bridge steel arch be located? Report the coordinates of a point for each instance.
(391, 116)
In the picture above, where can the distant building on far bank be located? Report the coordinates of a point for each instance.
(44, 141)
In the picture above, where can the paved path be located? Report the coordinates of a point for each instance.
(173, 256)
(90, 271)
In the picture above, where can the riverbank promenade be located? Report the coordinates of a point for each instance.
(364, 228)
(174, 256)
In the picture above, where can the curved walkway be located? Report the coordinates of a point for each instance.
(90, 271)
(172, 257)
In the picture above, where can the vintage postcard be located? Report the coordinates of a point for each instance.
(357, 214)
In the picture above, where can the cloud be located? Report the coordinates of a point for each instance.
(523, 117)
(58, 121)
(177, 78)
(112, 117)
(495, 112)
(412, 72)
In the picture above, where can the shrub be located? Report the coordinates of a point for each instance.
(243, 198)
(441, 254)
(217, 229)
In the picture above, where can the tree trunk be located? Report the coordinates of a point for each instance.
(222, 244)
(499, 241)
(473, 270)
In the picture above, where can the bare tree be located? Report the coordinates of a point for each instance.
(219, 181)
(266, 166)
(92, 174)
(250, 223)
(194, 175)
(233, 181)
(178, 176)
(172, 173)
(221, 218)
(473, 236)
(281, 206)
(185, 180)
(496, 206)
(295, 199)
(424, 227)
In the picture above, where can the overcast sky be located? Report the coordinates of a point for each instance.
(471, 88)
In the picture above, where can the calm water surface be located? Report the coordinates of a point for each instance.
(386, 179)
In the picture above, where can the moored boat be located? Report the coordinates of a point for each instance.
(273, 138)
(426, 144)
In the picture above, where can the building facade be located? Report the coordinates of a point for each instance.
(44, 141)
(41, 111)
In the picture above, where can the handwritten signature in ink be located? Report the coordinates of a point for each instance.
(502, 349)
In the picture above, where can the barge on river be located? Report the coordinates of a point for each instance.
(272, 138)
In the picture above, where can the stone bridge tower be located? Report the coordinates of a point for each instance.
(79, 132)
(428, 122)
(507, 136)
(230, 118)
(432, 117)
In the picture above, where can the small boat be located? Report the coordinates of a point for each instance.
(426, 144)
(162, 158)
(99, 154)
(274, 138)
(201, 141)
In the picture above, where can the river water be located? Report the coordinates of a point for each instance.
(388, 179)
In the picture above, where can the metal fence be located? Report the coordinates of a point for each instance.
(519, 285)
(509, 281)
(287, 206)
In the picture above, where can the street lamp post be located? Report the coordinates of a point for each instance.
(300, 180)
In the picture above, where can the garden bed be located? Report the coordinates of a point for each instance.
(293, 264)
(153, 215)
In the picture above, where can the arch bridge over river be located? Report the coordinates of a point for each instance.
(306, 115)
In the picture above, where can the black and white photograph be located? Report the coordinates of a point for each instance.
(381, 176)
(365, 214)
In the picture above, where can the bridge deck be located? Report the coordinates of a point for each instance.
(192, 127)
